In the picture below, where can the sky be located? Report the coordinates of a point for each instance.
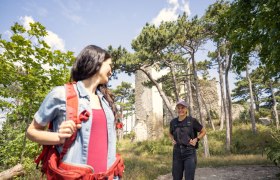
(74, 24)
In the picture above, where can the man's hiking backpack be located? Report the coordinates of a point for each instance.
(50, 159)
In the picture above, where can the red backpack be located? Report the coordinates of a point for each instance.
(50, 159)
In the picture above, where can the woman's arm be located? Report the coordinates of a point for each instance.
(201, 133)
(37, 133)
(200, 136)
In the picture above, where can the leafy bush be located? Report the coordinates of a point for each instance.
(244, 116)
(273, 151)
(149, 147)
(216, 140)
(214, 114)
(265, 112)
(245, 142)
(11, 149)
(130, 135)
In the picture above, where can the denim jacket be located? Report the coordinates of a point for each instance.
(53, 109)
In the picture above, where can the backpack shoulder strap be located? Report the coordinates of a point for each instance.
(194, 133)
(71, 113)
(190, 119)
(173, 124)
(71, 103)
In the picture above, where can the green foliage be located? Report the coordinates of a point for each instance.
(244, 116)
(264, 112)
(216, 142)
(130, 135)
(260, 86)
(243, 140)
(273, 151)
(253, 28)
(154, 147)
(124, 96)
(142, 168)
(11, 148)
(147, 159)
(29, 68)
(214, 114)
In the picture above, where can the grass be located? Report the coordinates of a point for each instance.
(231, 160)
(142, 162)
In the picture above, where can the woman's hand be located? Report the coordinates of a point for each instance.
(66, 130)
(38, 133)
(193, 141)
(173, 141)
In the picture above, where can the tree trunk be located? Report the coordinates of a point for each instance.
(228, 106)
(174, 82)
(275, 113)
(190, 94)
(257, 101)
(198, 98)
(208, 112)
(162, 94)
(12, 172)
(252, 110)
(224, 112)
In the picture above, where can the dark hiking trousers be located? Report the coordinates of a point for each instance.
(184, 159)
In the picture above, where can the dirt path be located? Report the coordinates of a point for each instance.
(244, 172)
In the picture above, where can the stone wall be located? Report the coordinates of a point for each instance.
(237, 109)
(209, 92)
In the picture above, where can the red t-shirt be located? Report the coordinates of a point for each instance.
(98, 142)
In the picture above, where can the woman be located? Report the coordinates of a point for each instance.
(95, 144)
(183, 132)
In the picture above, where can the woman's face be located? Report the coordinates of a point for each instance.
(105, 71)
(181, 110)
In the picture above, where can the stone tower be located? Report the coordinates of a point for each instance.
(148, 109)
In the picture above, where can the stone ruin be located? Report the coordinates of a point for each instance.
(151, 113)
(148, 108)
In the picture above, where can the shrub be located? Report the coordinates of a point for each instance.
(216, 142)
(272, 151)
(245, 142)
(214, 114)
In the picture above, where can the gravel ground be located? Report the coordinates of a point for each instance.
(244, 172)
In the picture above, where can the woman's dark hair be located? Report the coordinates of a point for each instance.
(88, 63)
